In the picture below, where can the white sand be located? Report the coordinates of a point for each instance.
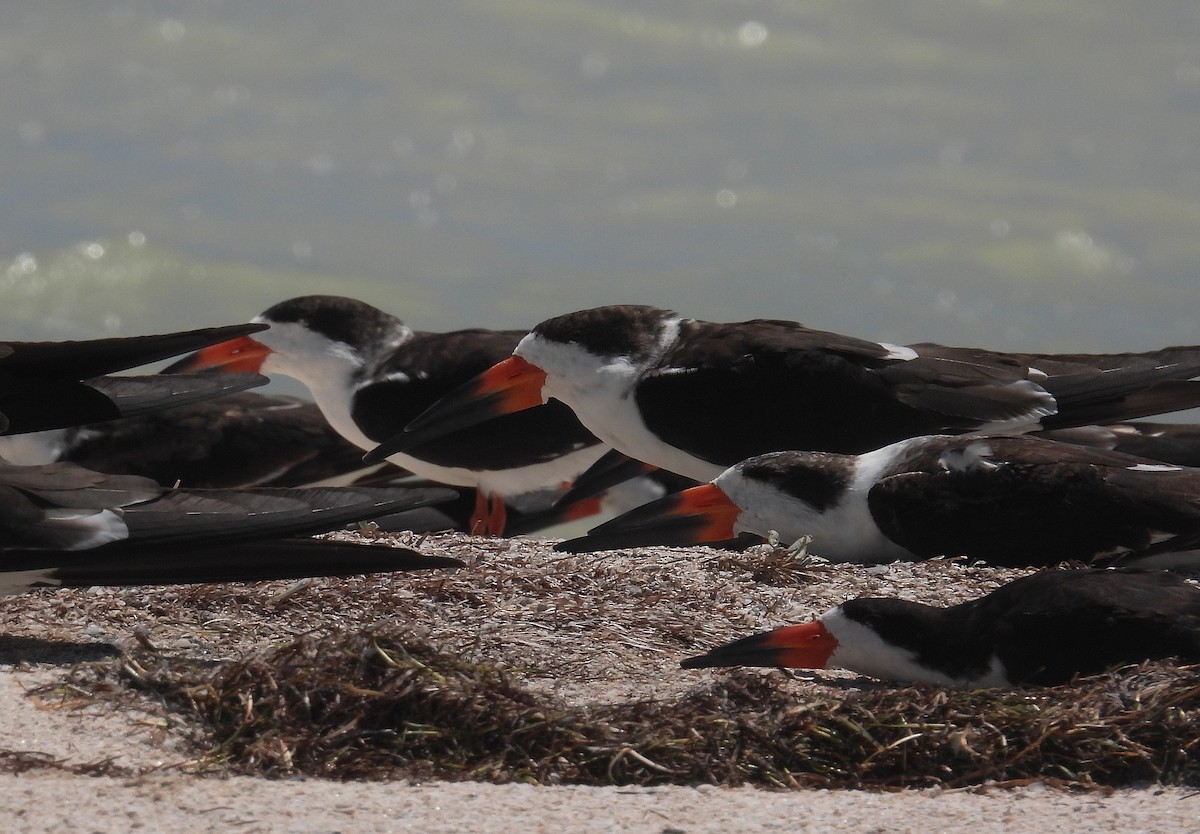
(41, 802)
(501, 605)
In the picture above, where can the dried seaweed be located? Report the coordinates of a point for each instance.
(383, 704)
(561, 668)
(16, 762)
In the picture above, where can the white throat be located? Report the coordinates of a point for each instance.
(844, 532)
(600, 390)
(329, 369)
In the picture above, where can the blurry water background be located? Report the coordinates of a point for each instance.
(1015, 174)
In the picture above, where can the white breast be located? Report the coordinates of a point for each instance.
(860, 649)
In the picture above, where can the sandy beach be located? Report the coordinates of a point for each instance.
(590, 629)
(43, 802)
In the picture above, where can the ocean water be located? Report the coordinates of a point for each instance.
(1009, 174)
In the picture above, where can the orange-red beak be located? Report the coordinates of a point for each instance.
(695, 516)
(506, 387)
(805, 646)
(242, 354)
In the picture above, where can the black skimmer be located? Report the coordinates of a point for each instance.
(1041, 629)
(1166, 442)
(50, 385)
(1008, 500)
(66, 525)
(695, 397)
(370, 374)
(238, 440)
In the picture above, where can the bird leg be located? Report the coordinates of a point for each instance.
(498, 516)
(489, 516)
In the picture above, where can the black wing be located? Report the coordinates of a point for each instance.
(1024, 501)
(1057, 624)
(208, 517)
(241, 562)
(240, 440)
(1177, 443)
(735, 391)
(59, 403)
(727, 392)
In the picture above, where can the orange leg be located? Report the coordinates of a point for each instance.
(498, 517)
(489, 516)
(479, 515)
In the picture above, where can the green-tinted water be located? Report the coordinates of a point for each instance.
(1006, 173)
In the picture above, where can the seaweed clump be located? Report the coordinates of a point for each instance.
(383, 704)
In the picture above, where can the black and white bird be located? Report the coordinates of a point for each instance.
(694, 397)
(51, 385)
(249, 439)
(1008, 500)
(1164, 442)
(1041, 629)
(62, 525)
(371, 374)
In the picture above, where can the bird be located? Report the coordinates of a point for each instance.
(1014, 501)
(694, 397)
(242, 439)
(1165, 442)
(370, 374)
(52, 385)
(1041, 629)
(250, 439)
(62, 525)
